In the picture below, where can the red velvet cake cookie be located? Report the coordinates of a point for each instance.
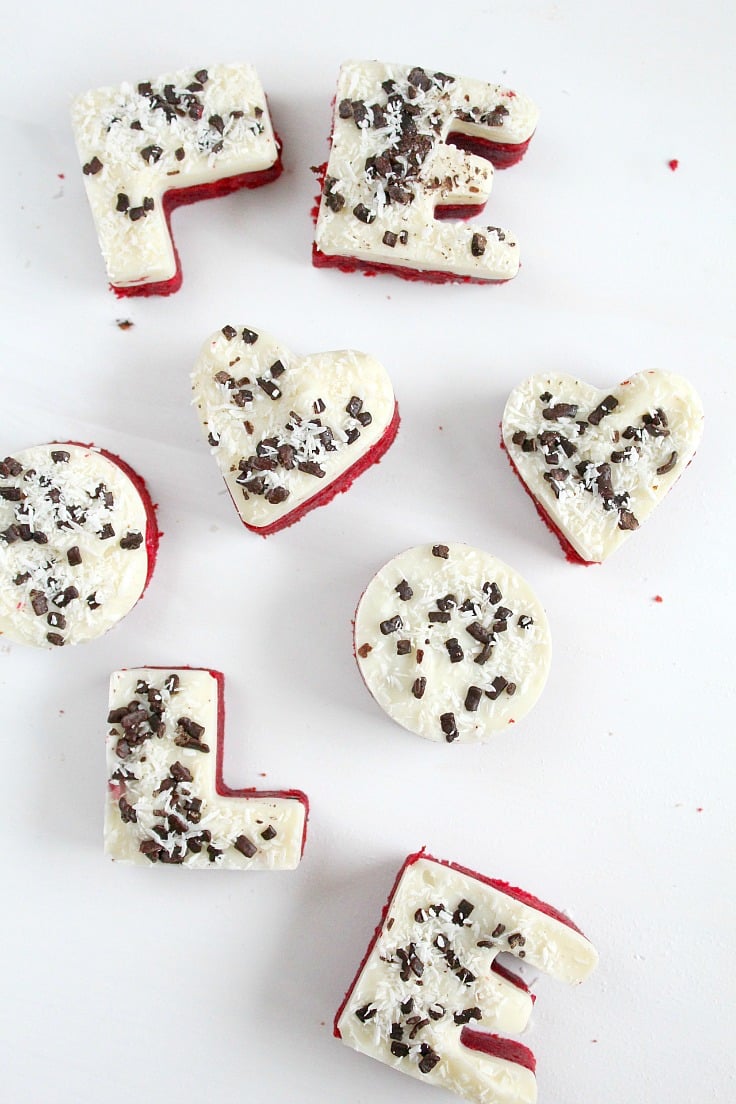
(404, 152)
(78, 543)
(596, 463)
(429, 995)
(289, 432)
(451, 642)
(166, 798)
(148, 148)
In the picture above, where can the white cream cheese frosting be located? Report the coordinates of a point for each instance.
(599, 461)
(452, 642)
(427, 994)
(138, 141)
(390, 165)
(165, 798)
(74, 530)
(281, 427)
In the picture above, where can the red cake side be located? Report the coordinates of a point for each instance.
(153, 534)
(339, 485)
(571, 555)
(180, 197)
(371, 268)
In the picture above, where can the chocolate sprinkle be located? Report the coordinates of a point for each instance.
(478, 244)
(449, 727)
(454, 650)
(404, 591)
(245, 847)
(403, 647)
(605, 407)
(472, 698)
(669, 465)
(419, 687)
(390, 625)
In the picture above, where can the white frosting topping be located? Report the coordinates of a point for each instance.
(395, 168)
(266, 410)
(73, 558)
(139, 141)
(458, 609)
(599, 480)
(433, 955)
(188, 823)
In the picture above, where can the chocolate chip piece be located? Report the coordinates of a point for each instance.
(40, 538)
(438, 617)
(449, 727)
(92, 602)
(498, 685)
(311, 467)
(669, 465)
(436, 1011)
(524, 621)
(485, 654)
(74, 556)
(39, 602)
(245, 847)
(364, 649)
(418, 688)
(364, 214)
(354, 407)
(627, 520)
(441, 551)
(560, 410)
(269, 387)
(269, 833)
(128, 815)
(479, 632)
(472, 698)
(391, 624)
(56, 620)
(605, 407)
(400, 1050)
(462, 912)
(454, 650)
(11, 494)
(229, 332)
(428, 1061)
(467, 1015)
(478, 244)
(365, 418)
(106, 532)
(55, 638)
(10, 466)
(151, 154)
(67, 595)
(390, 239)
(345, 109)
(92, 167)
(131, 540)
(367, 1012)
(403, 647)
(493, 593)
(404, 591)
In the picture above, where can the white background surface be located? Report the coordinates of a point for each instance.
(613, 799)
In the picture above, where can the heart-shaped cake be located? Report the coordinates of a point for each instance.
(452, 643)
(290, 432)
(596, 463)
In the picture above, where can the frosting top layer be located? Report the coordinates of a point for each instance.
(138, 141)
(164, 804)
(452, 642)
(390, 166)
(599, 461)
(73, 544)
(429, 983)
(281, 426)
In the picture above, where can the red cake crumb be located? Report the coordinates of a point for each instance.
(658, 598)
(674, 164)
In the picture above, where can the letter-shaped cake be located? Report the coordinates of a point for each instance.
(429, 997)
(596, 463)
(392, 173)
(289, 432)
(78, 543)
(166, 798)
(148, 148)
(452, 642)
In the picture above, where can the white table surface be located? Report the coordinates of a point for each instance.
(613, 799)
